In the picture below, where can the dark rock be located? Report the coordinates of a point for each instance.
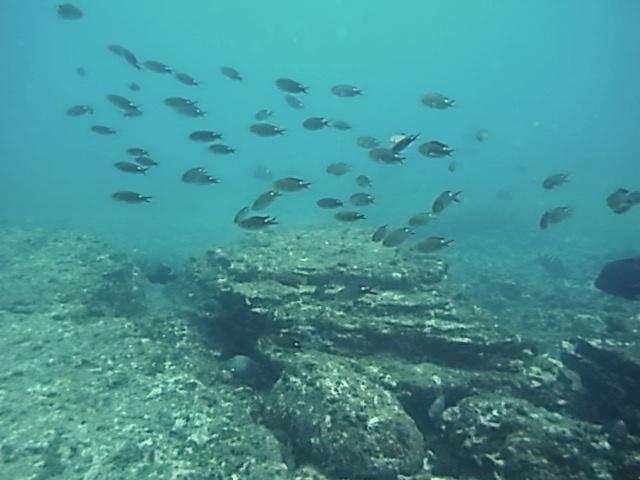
(339, 420)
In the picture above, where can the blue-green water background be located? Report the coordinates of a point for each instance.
(555, 83)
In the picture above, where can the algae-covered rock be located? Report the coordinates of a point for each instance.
(63, 273)
(511, 439)
(338, 419)
(337, 291)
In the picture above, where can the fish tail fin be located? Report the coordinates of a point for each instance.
(455, 198)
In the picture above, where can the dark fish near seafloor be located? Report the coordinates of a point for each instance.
(266, 130)
(621, 278)
(198, 176)
(554, 215)
(397, 237)
(435, 149)
(338, 168)
(78, 110)
(204, 136)
(157, 67)
(263, 114)
(294, 102)
(291, 86)
(290, 184)
(363, 181)
(316, 123)
(69, 11)
(437, 100)
(186, 79)
(265, 199)
(129, 57)
(131, 197)
(103, 130)
(622, 200)
(444, 200)
(256, 222)
(432, 244)
(329, 203)
(130, 167)
(231, 73)
(361, 199)
(221, 149)
(555, 180)
(380, 233)
(349, 216)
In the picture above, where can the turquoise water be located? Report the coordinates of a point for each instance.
(309, 351)
(554, 84)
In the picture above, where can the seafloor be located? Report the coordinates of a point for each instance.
(311, 355)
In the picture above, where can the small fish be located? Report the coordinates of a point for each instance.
(221, 149)
(349, 216)
(134, 87)
(242, 214)
(131, 197)
(363, 181)
(291, 86)
(341, 125)
(435, 149)
(157, 67)
(353, 292)
(81, 71)
(198, 176)
(420, 219)
(205, 136)
(130, 167)
(266, 199)
(179, 102)
(102, 130)
(452, 167)
(263, 114)
(129, 57)
(266, 130)
(338, 168)
(145, 161)
(397, 237)
(186, 79)
(132, 112)
(482, 136)
(555, 215)
(444, 200)
(345, 91)
(69, 11)
(192, 111)
(622, 200)
(78, 110)
(432, 244)
(231, 73)
(437, 101)
(361, 199)
(263, 173)
(290, 184)
(367, 142)
(385, 156)
(555, 180)
(294, 102)
(315, 123)
(621, 278)
(380, 233)
(256, 222)
(404, 142)
(137, 152)
(329, 203)
(121, 102)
